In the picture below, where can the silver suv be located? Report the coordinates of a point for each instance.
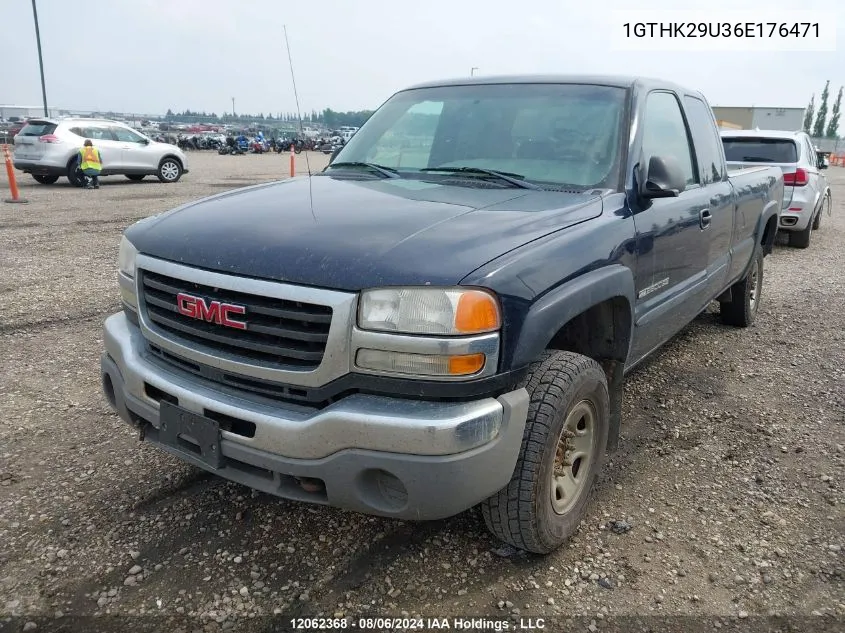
(806, 193)
(48, 149)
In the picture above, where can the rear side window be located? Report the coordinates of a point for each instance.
(812, 155)
(705, 137)
(98, 133)
(760, 150)
(37, 128)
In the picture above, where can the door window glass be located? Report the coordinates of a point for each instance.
(665, 133)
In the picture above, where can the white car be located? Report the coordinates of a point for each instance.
(49, 149)
(806, 193)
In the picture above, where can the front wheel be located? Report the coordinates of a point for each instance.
(44, 179)
(741, 310)
(169, 170)
(563, 447)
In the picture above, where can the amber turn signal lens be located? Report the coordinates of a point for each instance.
(464, 365)
(477, 311)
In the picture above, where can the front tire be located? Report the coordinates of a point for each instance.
(169, 170)
(45, 179)
(563, 448)
(741, 310)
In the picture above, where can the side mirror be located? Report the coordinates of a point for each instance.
(664, 178)
(822, 163)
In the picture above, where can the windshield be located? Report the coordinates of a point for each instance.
(760, 150)
(560, 134)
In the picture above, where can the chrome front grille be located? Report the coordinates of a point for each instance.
(287, 334)
(277, 331)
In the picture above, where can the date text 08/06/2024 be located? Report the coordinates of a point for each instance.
(417, 624)
(765, 30)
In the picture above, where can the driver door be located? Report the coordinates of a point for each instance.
(133, 150)
(672, 240)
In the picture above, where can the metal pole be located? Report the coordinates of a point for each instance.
(233, 107)
(472, 71)
(40, 60)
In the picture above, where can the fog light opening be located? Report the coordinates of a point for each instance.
(382, 490)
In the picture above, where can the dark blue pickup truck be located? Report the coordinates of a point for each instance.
(442, 318)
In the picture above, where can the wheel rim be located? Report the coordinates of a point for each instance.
(754, 285)
(573, 456)
(170, 170)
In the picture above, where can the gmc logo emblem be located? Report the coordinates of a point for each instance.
(211, 311)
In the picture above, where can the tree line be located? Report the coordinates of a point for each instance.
(820, 127)
(328, 117)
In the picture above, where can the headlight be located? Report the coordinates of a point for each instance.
(429, 310)
(126, 257)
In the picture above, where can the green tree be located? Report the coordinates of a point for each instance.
(821, 117)
(808, 115)
(833, 126)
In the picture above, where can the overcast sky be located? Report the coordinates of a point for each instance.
(147, 56)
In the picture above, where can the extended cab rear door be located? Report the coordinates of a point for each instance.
(714, 178)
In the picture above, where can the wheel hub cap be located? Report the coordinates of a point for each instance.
(169, 171)
(573, 456)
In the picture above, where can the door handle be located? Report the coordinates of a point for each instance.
(704, 218)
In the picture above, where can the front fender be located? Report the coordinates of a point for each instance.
(558, 306)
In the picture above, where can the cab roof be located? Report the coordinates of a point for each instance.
(617, 81)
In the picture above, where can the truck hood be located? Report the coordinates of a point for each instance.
(350, 234)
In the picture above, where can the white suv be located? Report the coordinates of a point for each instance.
(806, 193)
(49, 149)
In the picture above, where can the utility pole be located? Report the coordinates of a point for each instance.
(40, 60)
(233, 107)
(472, 71)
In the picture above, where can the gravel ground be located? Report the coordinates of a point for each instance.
(723, 505)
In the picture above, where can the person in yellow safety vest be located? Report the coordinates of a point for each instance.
(91, 164)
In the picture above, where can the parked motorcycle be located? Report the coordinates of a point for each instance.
(283, 145)
(232, 146)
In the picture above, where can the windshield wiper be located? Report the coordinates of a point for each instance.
(517, 180)
(387, 172)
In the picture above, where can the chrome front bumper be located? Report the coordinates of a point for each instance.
(375, 454)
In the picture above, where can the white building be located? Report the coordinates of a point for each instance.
(786, 119)
(25, 112)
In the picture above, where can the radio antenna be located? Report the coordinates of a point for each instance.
(296, 96)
